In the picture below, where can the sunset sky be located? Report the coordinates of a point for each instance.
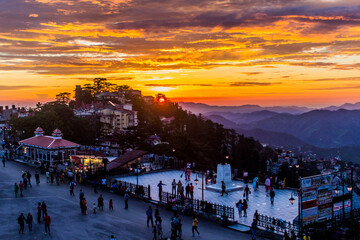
(226, 52)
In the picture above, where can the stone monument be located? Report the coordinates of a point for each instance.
(223, 173)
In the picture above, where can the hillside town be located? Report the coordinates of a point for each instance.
(131, 148)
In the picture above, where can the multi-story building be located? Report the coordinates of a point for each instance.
(117, 118)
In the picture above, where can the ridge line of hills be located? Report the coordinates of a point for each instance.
(327, 131)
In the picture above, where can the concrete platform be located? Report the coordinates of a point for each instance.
(230, 187)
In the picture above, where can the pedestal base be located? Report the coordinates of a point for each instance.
(232, 186)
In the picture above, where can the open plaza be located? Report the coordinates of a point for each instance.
(258, 200)
(67, 222)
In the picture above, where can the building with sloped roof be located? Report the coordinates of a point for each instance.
(126, 160)
(47, 149)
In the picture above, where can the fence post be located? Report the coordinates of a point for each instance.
(149, 196)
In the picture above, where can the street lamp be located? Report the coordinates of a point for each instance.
(202, 184)
(292, 199)
(196, 180)
(337, 190)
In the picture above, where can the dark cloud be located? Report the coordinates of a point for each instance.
(337, 88)
(187, 26)
(176, 85)
(333, 79)
(251, 73)
(244, 84)
(127, 78)
(17, 87)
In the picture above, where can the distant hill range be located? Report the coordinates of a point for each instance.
(197, 108)
(328, 131)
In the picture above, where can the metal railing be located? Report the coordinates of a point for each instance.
(199, 206)
(276, 225)
(139, 191)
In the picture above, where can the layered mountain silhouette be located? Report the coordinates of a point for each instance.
(334, 130)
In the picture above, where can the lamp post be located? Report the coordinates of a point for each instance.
(202, 184)
(137, 175)
(292, 201)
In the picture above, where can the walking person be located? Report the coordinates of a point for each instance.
(195, 226)
(239, 207)
(159, 229)
(223, 189)
(149, 217)
(244, 207)
(84, 206)
(191, 190)
(111, 205)
(28, 175)
(25, 182)
(173, 187)
(173, 228)
(44, 209)
(126, 199)
(254, 183)
(94, 208)
(29, 221)
(16, 189)
(21, 187)
(39, 212)
(179, 228)
(21, 221)
(154, 233)
(160, 189)
(179, 187)
(272, 196)
(253, 230)
(247, 192)
(187, 191)
(37, 178)
(47, 221)
(81, 196)
(72, 186)
(47, 176)
(101, 202)
(267, 184)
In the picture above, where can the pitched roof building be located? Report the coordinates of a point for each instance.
(47, 148)
(126, 160)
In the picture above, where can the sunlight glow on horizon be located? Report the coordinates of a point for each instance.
(290, 53)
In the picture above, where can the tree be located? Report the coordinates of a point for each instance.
(161, 98)
(63, 97)
(56, 115)
(123, 87)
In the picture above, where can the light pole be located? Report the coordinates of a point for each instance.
(137, 176)
(202, 184)
(292, 201)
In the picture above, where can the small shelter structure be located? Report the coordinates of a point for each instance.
(48, 149)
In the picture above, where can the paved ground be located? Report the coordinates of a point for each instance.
(68, 223)
(258, 200)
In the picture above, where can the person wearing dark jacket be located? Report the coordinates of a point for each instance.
(21, 221)
(29, 221)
